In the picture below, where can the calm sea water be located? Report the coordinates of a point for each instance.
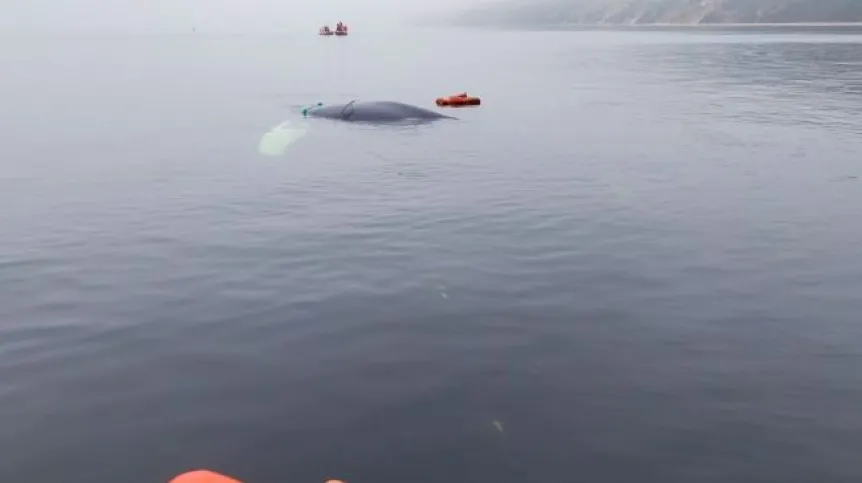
(640, 258)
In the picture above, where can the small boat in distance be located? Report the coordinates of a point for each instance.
(325, 30)
(341, 28)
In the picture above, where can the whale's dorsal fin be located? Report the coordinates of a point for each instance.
(344, 111)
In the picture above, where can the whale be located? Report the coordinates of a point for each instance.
(374, 112)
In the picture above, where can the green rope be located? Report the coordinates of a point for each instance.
(306, 109)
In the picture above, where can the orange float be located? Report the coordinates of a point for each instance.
(458, 100)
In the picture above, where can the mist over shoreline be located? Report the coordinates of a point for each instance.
(663, 13)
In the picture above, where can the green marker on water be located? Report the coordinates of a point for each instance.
(306, 109)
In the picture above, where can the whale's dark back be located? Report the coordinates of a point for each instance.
(376, 111)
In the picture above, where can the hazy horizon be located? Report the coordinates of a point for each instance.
(223, 16)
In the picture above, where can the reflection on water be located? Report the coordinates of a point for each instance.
(795, 81)
(637, 261)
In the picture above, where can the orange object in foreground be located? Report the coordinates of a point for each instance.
(203, 476)
(458, 100)
(207, 476)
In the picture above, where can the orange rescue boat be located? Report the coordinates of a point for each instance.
(458, 100)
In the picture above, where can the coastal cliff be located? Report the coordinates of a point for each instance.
(679, 12)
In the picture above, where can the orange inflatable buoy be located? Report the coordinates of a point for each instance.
(458, 100)
(203, 476)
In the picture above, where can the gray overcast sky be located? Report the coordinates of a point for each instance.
(209, 15)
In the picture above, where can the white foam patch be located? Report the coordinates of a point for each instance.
(276, 141)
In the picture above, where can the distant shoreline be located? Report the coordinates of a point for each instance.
(661, 26)
(714, 25)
